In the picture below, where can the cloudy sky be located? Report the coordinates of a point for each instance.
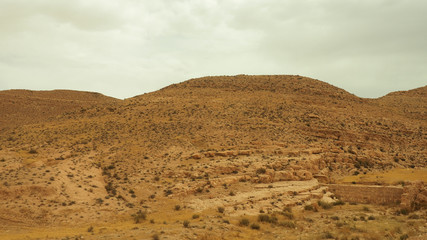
(123, 48)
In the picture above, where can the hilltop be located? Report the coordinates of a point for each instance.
(20, 107)
(243, 143)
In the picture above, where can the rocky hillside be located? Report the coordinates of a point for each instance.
(19, 107)
(109, 157)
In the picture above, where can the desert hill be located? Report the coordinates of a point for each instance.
(202, 144)
(407, 103)
(19, 107)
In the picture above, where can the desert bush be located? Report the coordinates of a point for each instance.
(403, 211)
(255, 226)
(244, 222)
(340, 224)
(138, 216)
(32, 151)
(404, 237)
(186, 223)
(263, 218)
(155, 237)
(221, 209)
(168, 192)
(289, 215)
(309, 208)
(324, 205)
(414, 216)
(261, 171)
(287, 224)
(177, 207)
(328, 235)
(196, 216)
(266, 218)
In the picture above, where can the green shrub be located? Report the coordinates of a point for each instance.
(404, 211)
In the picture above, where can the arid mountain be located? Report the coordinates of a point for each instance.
(19, 107)
(202, 144)
(411, 104)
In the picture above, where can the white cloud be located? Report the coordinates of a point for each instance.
(128, 47)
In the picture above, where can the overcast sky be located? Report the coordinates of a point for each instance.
(124, 48)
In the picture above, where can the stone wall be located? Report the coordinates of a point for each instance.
(367, 194)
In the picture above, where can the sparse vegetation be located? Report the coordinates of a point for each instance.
(255, 226)
(324, 205)
(250, 160)
(287, 224)
(139, 216)
(261, 171)
(244, 222)
(221, 209)
(186, 223)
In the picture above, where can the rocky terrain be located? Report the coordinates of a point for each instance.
(231, 157)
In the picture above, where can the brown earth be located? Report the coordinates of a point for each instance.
(247, 144)
(19, 107)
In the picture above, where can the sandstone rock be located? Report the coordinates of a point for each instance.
(209, 154)
(244, 152)
(263, 178)
(414, 196)
(221, 154)
(316, 151)
(283, 176)
(321, 178)
(304, 175)
(196, 156)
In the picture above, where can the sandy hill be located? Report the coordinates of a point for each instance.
(19, 107)
(410, 103)
(201, 139)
